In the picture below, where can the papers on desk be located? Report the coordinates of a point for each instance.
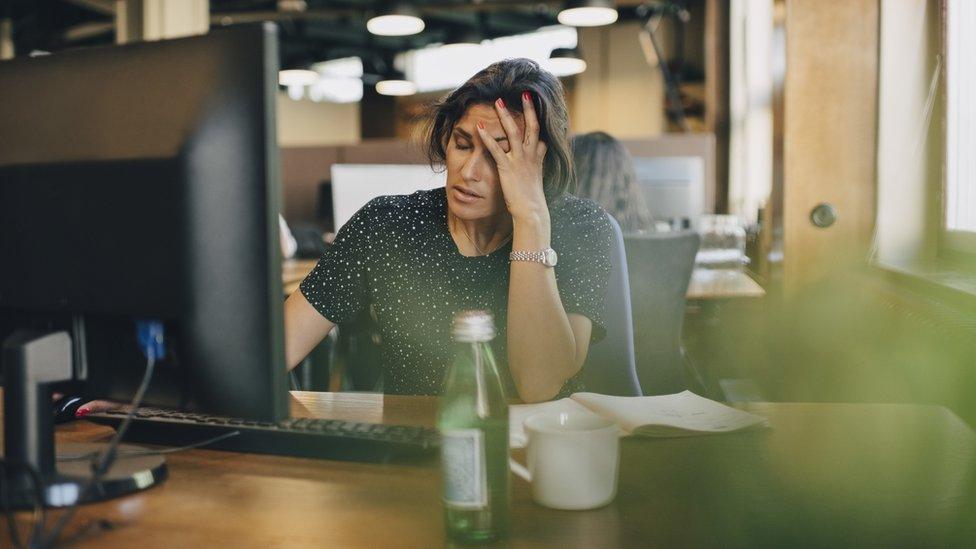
(678, 415)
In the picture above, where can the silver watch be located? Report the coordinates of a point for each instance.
(547, 257)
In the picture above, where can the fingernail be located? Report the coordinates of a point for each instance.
(500, 103)
(481, 124)
(526, 96)
(82, 412)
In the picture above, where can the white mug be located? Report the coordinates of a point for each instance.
(573, 459)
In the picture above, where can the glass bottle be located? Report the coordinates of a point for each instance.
(473, 422)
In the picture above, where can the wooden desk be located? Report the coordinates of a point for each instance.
(294, 271)
(825, 475)
(710, 284)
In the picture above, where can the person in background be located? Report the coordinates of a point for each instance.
(484, 241)
(605, 172)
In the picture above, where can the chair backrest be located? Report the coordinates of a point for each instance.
(610, 366)
(660, 267)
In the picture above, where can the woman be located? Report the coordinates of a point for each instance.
(418, 259)
(606, 176)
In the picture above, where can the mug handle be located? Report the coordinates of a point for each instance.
(516, 467)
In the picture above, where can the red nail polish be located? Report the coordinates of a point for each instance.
(500, 103)
(526, 96)
(481, 124)
(82, 412)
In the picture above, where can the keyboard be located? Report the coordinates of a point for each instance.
(302, 437)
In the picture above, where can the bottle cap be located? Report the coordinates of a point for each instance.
(474, 326)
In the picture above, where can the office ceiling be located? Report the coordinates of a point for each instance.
(310, 30)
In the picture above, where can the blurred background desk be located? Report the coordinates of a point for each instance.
(722, 284)
(824, 475)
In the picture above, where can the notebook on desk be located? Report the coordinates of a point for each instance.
(678, 415)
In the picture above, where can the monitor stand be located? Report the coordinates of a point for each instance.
(33, 362)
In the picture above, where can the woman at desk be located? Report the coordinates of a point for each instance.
(480, 242)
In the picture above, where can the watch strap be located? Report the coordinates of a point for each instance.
(521, 255)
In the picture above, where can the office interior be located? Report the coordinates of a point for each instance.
(820, 150)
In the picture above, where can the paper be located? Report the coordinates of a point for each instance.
(683, 413)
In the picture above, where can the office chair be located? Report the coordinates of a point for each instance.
(660, 270)
(610, 365)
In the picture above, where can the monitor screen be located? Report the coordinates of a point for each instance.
(141, 182)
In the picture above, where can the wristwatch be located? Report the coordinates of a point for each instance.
(547, 257)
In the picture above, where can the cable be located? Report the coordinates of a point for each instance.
(40, 511)
(150, 337)
(147, 452)
(106, 460)
(166, 451)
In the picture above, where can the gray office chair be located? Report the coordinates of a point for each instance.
(660, 270)
(610, 366)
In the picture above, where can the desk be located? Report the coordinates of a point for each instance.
(722, 284)
(824, 475)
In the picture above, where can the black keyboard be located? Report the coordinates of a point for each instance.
(311, 438)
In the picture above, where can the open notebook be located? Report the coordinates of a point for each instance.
(678, 415)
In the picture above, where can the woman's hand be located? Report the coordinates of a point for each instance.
(520, 169)
(99, 406)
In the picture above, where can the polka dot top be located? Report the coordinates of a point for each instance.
(396, 256)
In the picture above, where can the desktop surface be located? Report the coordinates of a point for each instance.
(824, 475)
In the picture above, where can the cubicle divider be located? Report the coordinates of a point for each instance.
(304, 168)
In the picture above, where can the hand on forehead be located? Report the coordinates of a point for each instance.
(488, 115)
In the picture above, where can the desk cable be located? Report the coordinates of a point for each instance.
(150, 337)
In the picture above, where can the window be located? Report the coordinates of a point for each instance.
(446, 67)
(960, 173)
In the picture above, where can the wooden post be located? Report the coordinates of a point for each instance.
(6, 39)
(159, 19)
(830, 135)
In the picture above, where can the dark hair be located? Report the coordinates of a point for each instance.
(606, 176)
(508, 79)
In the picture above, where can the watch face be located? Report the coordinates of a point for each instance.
(550, 257)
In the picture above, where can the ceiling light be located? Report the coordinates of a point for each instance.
(565, 62)
(396, 87)
(297, 77)
(588, 13)
(398, 20)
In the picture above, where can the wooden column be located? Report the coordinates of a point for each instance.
(717, 49)
(159, 19)
(6, 39)
(830, 134)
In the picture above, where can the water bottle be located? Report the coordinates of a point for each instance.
(473, 422)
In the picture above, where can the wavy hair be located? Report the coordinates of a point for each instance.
(508, 79)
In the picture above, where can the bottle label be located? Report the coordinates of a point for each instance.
(463, 463)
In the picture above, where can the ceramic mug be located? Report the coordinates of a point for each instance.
(572, 460)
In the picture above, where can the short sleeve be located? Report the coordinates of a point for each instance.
(583, 268)
(338, 286)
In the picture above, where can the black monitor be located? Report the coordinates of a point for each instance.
(141, 182)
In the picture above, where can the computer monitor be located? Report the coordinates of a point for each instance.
(141, 182)
(353, 185)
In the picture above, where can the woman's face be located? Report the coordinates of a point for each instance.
(473, 190)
